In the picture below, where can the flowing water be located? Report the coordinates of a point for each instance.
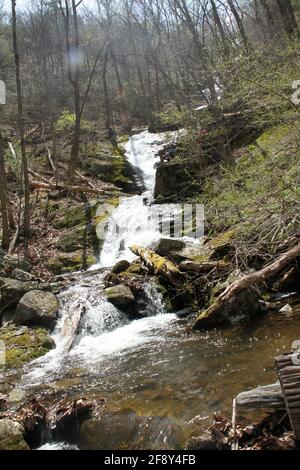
(162, 386)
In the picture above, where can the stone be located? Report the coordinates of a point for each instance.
(166, 245)
(37, 308)
(120, 296)
(11, 292)
(12, 436)
(23, 344)
(120, 267)
(243, 306)
(66, 263)
(21, 275)
(14, 262)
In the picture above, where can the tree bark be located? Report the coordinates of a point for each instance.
(26, 224)
(3, 198)
(239, 23)
(289, 19)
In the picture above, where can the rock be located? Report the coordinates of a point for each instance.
(66, 263)
(127, 429)
(203, 267)
(244, 305)
(11, 292)
(14, 262)
(171, 179)
(12, 436)
(208, 442)
(120, 296)
(24, 344)
(286, 309)
(20, 275)
(78, 238)
(166, 245)
(37, 308)
(120, 267)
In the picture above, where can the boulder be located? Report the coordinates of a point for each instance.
(37, 308)
(243, 306)
(120, 296)
(171, 179)
(66, 263)
(120, 267)
(12, 436)
(165, 246)
(23, 344)
(14, 262)
(21, 275)
(11, 292)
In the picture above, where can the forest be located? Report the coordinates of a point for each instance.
(126, 321)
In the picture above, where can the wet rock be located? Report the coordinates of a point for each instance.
(243, 306)
(128, 430)
(37, 308)
(286, 309)
(120, 296)
(24, 344)
(120, 267)
(166, 245)
(12, 436)
(208, 442)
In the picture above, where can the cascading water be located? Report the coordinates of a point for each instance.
(104, 329)
(162, 386)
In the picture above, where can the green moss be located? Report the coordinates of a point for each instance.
(171, 118)
(65, 263)
(24, 344)
(66, 122)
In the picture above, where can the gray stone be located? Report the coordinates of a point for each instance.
(120, 267)
(119, 296)
(37, 308)
(20, 275)
(167, 245)
(12, 436)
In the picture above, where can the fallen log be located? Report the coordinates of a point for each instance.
(261, 276)
(160, 266)
(268, 396)
(202, 267)
(213, 315)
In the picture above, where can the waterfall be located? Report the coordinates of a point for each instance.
(104, 330)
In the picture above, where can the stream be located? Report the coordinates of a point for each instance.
(162, 386)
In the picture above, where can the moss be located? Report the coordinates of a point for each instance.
(76, 215)
(78, 238)
(65, 263)
(66, 122)
(23, 344)
(170, 119)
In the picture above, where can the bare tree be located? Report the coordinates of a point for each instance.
(3, 198)
(26, 223)
(289, 19)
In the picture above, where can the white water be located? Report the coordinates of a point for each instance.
(104, 330)
(131, 218)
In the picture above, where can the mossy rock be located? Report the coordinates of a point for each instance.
(78, 238)
(170, 119)
(66, 263)
(12, 435)
(79, 214)
(216, 248)
(24, 345)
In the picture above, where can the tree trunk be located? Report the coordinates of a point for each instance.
(26, 225)
(220, 28)
(239, 23)
(289, 19)
(3, 198)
